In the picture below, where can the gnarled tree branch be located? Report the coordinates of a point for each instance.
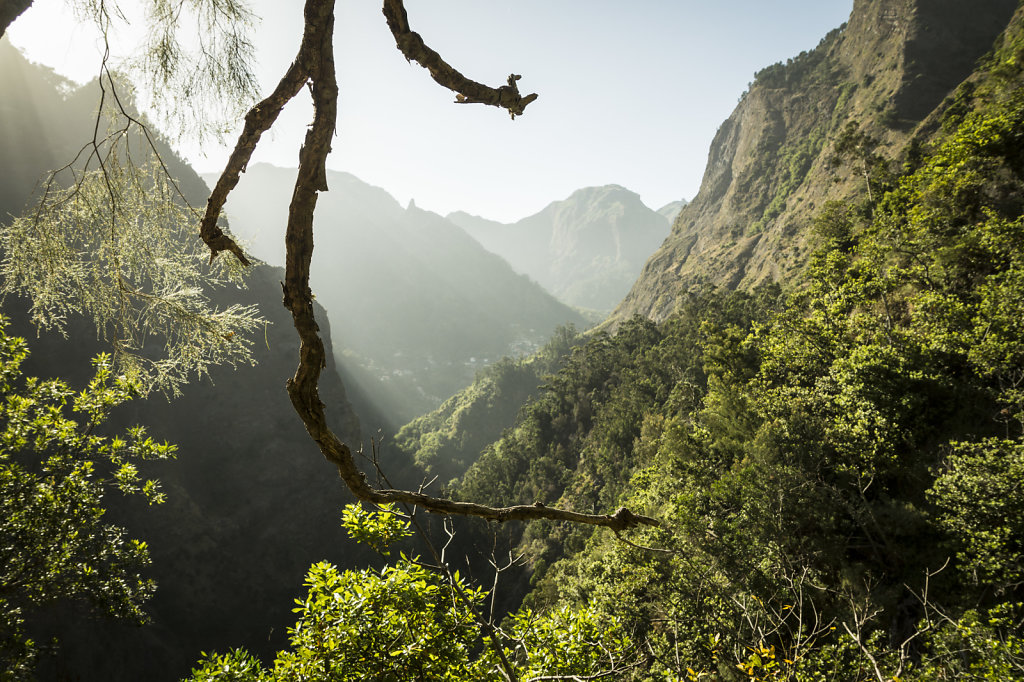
(258, 121)
(315, 65)
(467, 91)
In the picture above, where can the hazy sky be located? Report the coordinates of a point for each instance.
(631, 91)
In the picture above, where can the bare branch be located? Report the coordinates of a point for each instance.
(314, 65)
(864, 649)
(467, 91)
(259, 120)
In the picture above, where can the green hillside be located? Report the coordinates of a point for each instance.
(836, 468)
(809, 409)
(771, 167)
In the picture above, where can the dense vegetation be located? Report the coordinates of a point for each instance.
(56, 466)
(837, 469)
(445, 442)
(836, 466)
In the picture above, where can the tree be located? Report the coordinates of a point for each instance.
(55, 469)
(417, 620)
(313, 67)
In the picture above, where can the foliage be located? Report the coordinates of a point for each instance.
(196, 60)
(448, 440)
(55, 468)
(794, 160)
(213, 78)
(398, 624)
(411, 621)
(567, 642)
(836, 470)
(378, 529)
(975, 647)
(120, 247)
(979, 505)
(837, 476)
(574, 443)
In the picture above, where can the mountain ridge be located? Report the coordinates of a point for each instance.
(247, 477)
(395, 281)
(769, 168)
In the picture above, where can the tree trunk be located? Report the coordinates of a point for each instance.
(11, 10)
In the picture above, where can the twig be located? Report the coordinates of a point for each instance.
(467, 91)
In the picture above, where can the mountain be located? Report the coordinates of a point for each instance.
(448, 440)
(671, 210)
(813, 454)
(769, 169)
(251, 504)
(417, 305)
(586, 250)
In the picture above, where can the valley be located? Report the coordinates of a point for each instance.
(805, 381)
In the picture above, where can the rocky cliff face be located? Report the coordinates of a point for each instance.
(768, 169)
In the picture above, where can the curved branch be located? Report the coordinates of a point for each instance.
(258, 121)
(298, 298)
(467, 91)
(315, 65)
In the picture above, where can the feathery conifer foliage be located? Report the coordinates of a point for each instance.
(120, 247)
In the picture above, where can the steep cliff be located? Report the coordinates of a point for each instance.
(769, 168)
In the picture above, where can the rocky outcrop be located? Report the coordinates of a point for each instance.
(768, 170)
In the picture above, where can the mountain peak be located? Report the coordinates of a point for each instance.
(586, 249)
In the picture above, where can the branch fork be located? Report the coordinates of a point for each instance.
(314, 65)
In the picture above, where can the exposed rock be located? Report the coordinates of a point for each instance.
(892, 64)
(586, 250)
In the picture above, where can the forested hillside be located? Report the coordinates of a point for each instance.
(250, 505)
(772, 166)
(835, 465)
(807, 417)
(834, 462)
(446, 441)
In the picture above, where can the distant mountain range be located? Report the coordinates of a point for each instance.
(416, 304)
(770, 170)
(587, 250)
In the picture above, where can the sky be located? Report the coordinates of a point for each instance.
(631, 92)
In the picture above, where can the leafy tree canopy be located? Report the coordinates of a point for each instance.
(56, 467)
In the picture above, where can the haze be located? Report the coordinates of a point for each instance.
(631, 93)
